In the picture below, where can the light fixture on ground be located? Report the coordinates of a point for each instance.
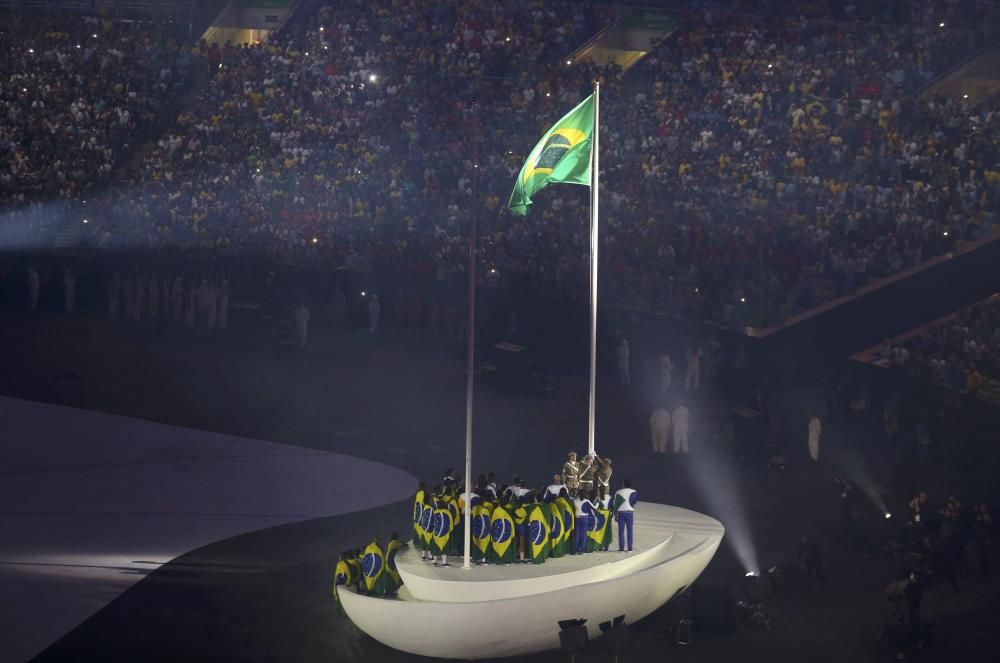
(616, 636)
(573, 637)
(756, 590)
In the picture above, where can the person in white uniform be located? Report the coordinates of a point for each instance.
(666, 373)
(659, 428)
(681, 423)
(815, 430)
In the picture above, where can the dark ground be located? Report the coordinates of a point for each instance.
(265, 596)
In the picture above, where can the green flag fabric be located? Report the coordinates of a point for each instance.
(562, 155)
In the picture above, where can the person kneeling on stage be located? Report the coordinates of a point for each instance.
(625, 501)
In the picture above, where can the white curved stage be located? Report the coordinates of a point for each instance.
(90, 503)
(453, 613)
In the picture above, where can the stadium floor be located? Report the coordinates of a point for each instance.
(264, 595)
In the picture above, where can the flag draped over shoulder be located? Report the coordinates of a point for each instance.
(418, 513)
(557, 546)
(372, 565)
(598, 529)
(562, 155)
(538, 533)
(480, 531)
(501, 534)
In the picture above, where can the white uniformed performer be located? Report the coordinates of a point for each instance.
(583, 508)
(554, 489)
(625, 501)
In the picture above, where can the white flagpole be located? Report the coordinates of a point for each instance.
(595, 169)
(471, 334)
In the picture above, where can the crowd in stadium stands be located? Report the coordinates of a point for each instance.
(962, 352)
(74, 93)
(752, 167)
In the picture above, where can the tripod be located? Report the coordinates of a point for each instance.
(756, 615)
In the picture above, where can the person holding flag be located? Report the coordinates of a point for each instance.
(598, 536)
(456, 538)
(354, 565)
(625, 501)
(426, 518)
(557, 544)
(390, 580)
(341, 577)
(604, 505)
(442, 524)
(538, 531)
(480, 533)
(568, 513)
(372, 566)
(519, 511)
(418, 513)
(501, 535)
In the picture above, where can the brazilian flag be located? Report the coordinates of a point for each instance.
(562, 155)
(425, 526)
(457, 523)
(538, 534)
(815, 107)
(341, 576)
(390, 581)
(480, 532)
(569, 521)
(354, 566)
(441, 527)
(418, 512)
(372, 565)
(598, 529)
(501, 537)
(608, 528)
(557, 544)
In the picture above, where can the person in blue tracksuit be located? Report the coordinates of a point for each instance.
(584, 507)
(625, 501)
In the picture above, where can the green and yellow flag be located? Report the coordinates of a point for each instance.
(556, 545)
(372, 565)
(598, 530)
(538, 533)
(562, 155)
(442, 523)
(568, 517)
(501, 535)
(480, 532)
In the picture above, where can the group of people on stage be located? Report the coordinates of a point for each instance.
(371, 571)
(514, 523)
(510, 524)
